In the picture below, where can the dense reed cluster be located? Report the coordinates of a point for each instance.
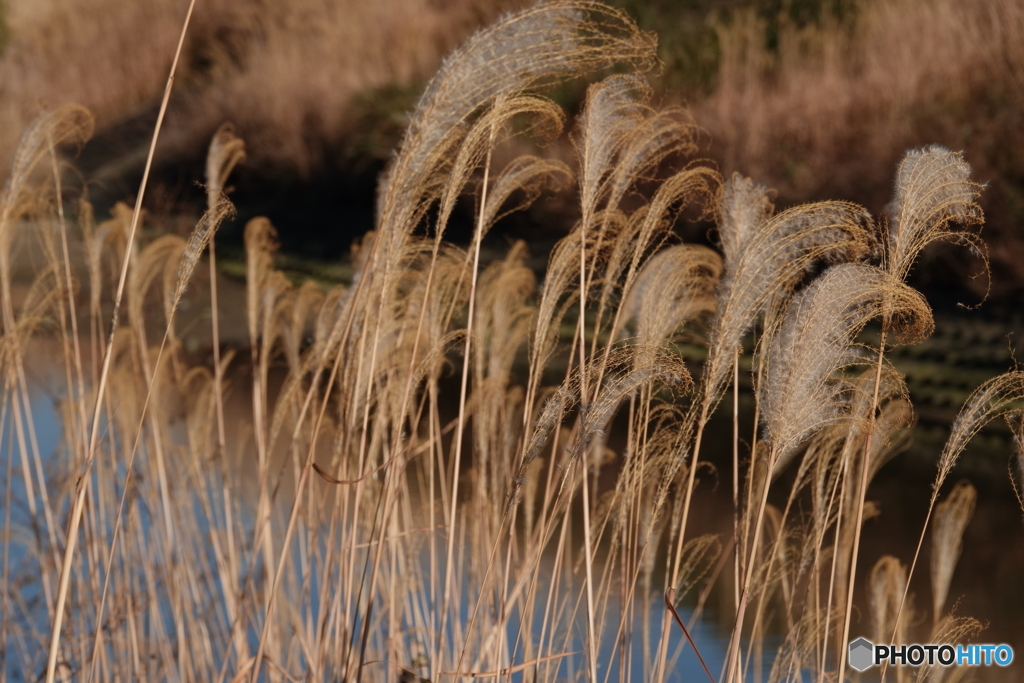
(418, 485)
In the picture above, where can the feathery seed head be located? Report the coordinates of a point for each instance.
(225, 152)
(674, 287)
(544, 45)
(886, 585)
(744, 205)
(769, 265)
(621, 139)
(527, 177)
(998, 396)
(934, 196)
(951, 518)
(260, 247)
(68, 124)
(799, 393)
(206, 228)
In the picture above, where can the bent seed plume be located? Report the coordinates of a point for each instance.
(998, 396)
(226, 151)
(934, 196)
(800, 394)
(543, 45)
(206, 228)
(769, 266)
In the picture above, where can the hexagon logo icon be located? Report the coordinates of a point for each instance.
(861, 654)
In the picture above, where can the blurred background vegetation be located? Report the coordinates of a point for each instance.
(817, 98)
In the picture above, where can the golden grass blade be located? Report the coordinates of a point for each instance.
(76, 513)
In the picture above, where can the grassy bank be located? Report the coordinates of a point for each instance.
(815, 98)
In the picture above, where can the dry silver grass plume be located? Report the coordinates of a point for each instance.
(37, 310)
(647, 229)
(526, 177)
(673, 288)
(743, 207)
(934, 196)
(952, 631)
(894, 429)
(539, 46)
(226, 151)
(558, 404)
(68, 124)
(886, 585)
(542, 118)
(615, 107)
(557, 294)
(800, 393)
(864, 406)
(951, 518)
(621, 138)
(695, 183)
(505, 314)
(701, 553)
(998, 396)
(159, 256)
(206, 228)
(622, 377)
(769, 265)
(260, 247)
